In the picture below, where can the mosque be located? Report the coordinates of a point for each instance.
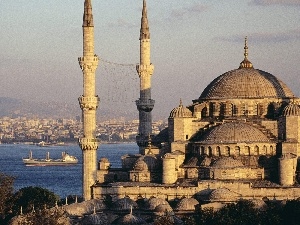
(239, 139)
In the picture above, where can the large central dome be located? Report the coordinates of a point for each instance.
(246, 83)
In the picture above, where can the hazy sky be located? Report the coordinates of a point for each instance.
(192, 42)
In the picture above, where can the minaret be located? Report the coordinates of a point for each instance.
(145, 69)
(88, 102)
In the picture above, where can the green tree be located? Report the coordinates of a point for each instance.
(30, 197)
(6, 192)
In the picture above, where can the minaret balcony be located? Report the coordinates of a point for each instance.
(145, 105)
(145, 69)
(89, 143)
(90, 103)
(88, 63)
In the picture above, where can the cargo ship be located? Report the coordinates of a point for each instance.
(66, 159)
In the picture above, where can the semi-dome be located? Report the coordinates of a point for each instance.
(227, 162)
(291, 110)
(181, 112)
(233, 132)
(246, 83)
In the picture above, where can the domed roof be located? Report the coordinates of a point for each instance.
(227, 162)
(124, 204)
(95, 219)
(140, 165)
(181, 112)
(223, 195)
(291, 110)
(130, 219)
(258, 204)
(233, 132)
(153, 202)
(187, 204)
(163, 208)
(246, 83)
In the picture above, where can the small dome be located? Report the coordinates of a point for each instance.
(162, 209)
(223, 195)
(291, 110)
(124, 204)
(181, 112)
(140, 165)
(227, 162)
(233, 132)
(130, 219)
(153, 202)
(259, 204)
(95, 219)
(187, 204)
(104, 160)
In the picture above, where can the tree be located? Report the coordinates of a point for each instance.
(30, 197)
(6, 192)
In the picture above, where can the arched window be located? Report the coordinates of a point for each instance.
(256, 150)
(265, 150)
(247, 150)
(202, 150)
(237, 151)
(227, 151)
(272, 150)
(204, 112)
(209, 151)
(218, 151)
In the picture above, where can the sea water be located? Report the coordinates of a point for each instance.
(62, 180)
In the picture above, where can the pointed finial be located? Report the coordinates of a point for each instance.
(76, 200)
(94, 210)
(33, 210)
(66, 200)
(21, 210)
(144, 32)
(88, 14)
(246, 63)
(130, 209)
(180, 102)
(56, 205)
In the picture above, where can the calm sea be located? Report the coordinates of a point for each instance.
(62, 180)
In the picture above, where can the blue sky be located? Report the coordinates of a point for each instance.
(192, 42)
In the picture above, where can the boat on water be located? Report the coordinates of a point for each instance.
(66, 159)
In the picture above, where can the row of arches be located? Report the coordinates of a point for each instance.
(216, 109)
(231, 150)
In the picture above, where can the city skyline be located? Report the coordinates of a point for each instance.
(192, 43)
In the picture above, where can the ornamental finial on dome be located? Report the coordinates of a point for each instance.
(246, 63)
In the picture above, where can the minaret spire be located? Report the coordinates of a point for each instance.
(144, 34)
(246, 63)
(88, 20)
(88, 102)
(145, 70)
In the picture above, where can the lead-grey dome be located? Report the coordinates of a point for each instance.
(233, 132)
(181, 112)
(246, 83)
